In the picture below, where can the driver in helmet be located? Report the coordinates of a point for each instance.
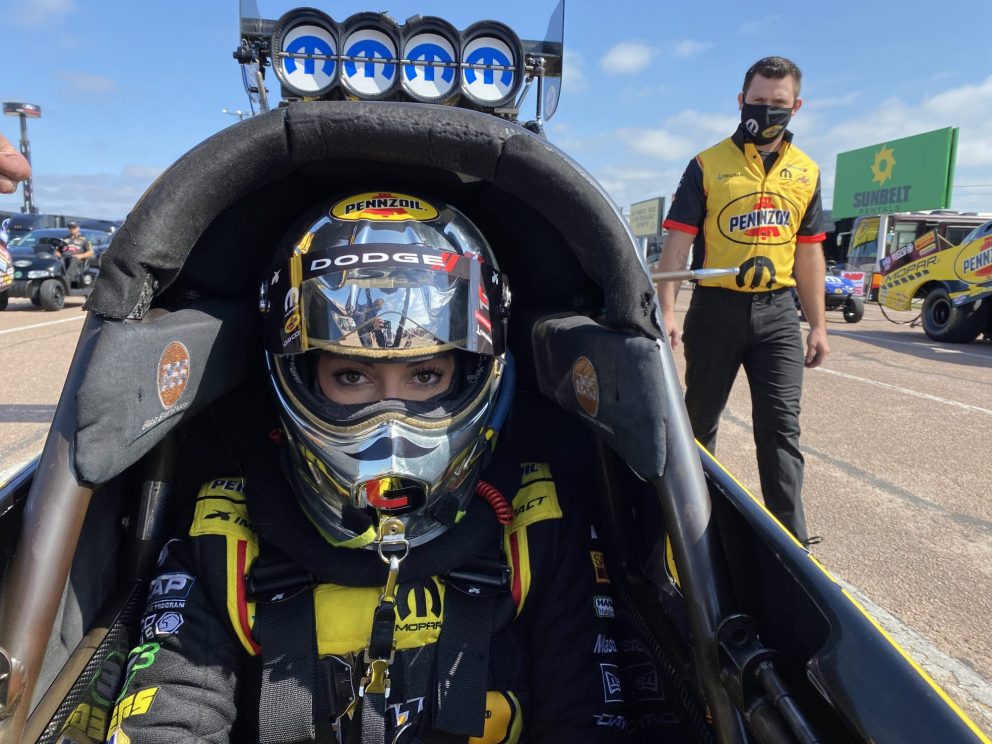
(383, 572)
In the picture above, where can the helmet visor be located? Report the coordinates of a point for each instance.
(382, 300)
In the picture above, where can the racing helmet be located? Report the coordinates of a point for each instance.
(386, 277)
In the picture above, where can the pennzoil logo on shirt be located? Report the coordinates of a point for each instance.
(384, 206)
(762, 218)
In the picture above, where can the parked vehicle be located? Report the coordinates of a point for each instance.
(99, 238)
(21, 224)
(841, 294)
(950, 284)
(6, 276)
(865, 252)
(43, 275)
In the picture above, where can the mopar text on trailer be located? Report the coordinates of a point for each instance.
(951, 283)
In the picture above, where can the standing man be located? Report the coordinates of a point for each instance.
(753, 201)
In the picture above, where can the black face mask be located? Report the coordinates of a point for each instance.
(762, 123)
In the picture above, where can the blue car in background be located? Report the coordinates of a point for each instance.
(840, 295)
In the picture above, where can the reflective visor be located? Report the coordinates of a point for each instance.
(383, 300)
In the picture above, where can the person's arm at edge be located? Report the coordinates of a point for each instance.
(673, 258)
(810, 272)
(684, 221)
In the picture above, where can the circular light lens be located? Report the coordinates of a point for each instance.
(307, 32)
(492, 55)
(436, 76)
(368, 74)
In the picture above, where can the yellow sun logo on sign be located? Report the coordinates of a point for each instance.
(881, 169)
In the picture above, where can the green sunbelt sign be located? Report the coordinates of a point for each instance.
(897, 176)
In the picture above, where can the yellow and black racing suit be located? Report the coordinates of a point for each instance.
(195, 676)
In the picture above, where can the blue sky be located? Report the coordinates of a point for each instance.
(128, 87)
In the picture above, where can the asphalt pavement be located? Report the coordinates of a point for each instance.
(897, 432)
(897, 435)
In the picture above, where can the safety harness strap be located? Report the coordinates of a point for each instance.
(379, 655)
(463, 664)
(286, 631)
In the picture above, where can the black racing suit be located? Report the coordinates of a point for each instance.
(195, 677)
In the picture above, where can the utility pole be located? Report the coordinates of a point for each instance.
(25, 110)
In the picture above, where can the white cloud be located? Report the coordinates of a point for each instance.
(627, 185)
(573, 76)
(828, 103)
(968, 107)
(628, 57)
(702, 126)
(101, 195)
(643, 92)
(681, 136)
(657, 143)
(87, 83)
(760, 25)
(39, 12)
(686, 48)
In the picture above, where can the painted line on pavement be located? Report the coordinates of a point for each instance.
(914, 344)
(42, 325)
(907, 391)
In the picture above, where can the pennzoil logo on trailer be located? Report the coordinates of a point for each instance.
(384, 206)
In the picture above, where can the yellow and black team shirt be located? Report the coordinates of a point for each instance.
(554, 673)
(749, 211)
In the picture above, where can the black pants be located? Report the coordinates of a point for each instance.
(725, 329)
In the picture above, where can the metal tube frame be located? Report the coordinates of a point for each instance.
(688, 512)
(53, 520)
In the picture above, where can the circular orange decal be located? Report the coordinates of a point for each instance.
(586, 385)
(173, 374)
(292, 323)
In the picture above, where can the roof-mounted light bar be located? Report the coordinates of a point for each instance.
(371, 57)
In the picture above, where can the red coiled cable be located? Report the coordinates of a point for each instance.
(491, 495)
